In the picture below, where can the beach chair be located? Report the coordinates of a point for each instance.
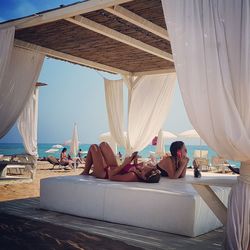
(17, 165)
(52, 160)
(201, 158)
(219, 164)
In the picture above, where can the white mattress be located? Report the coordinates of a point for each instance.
(171, 206)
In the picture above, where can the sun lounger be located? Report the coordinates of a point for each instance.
(220, 164)
(201, 158)
(16, 164)
(52, 160)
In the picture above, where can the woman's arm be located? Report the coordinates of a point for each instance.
(179, 172)
(116, 170)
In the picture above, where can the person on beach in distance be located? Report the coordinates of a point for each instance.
(64, 158)
(79, 155)
(174, 166)
(105, 166)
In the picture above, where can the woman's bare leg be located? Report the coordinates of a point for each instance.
(108, 155)
(96, 158)
(88, 162)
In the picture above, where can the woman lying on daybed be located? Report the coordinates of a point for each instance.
(174, 166)
(105, 166)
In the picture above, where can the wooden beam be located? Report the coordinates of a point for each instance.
(70, 58)
(138, 21)
(213, 202)
(61, 13)
(103, 30)
(154, 72)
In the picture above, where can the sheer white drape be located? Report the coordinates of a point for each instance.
(6, 41)
(114, 105)
(160, 146)
(149, 100)
(211, 46)
(27, 124)
(149, 105)
(17, 85)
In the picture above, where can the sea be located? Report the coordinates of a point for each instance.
(17, 148)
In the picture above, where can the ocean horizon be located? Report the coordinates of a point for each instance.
(18, 148)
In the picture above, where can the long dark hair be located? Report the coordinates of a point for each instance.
(64, 150)
(175, 146)
(153, 176)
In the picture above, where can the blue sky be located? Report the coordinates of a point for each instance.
(74, 93)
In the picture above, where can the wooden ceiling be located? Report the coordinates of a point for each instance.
(104, 37)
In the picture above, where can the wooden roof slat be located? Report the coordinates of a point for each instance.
(154, 72)
(138, 21)
(70, 42)
(67, 57)
(61, 13)
(103, 30)
(77, 41)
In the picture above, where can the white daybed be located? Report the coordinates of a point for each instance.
(171, 206)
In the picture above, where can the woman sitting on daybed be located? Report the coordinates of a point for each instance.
(105, 165)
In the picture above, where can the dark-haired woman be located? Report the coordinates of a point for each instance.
(105, 166)
(64, 160)
(174, 166)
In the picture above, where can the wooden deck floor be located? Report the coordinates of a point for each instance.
(144, 238)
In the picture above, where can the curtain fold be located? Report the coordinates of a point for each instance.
(149, 105)
(6, 41)
(17, 85)
(149, 99)
(114, 105)
(27, 124)
(211, 47)
(160, 146)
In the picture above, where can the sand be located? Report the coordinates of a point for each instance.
(28, 190)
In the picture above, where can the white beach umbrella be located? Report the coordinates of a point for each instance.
(74, 145)
(51, 150)
(107, 137)
(161, 140)
(57, 146)
(192, 133)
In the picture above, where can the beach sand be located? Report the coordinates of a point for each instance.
(28, 190)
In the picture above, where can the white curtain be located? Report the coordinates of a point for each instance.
(6, 41)
(149, 105)
(149, 99)
(160, 146)
(114, 105)
(18, 83)
(211, 46)
(27, 124)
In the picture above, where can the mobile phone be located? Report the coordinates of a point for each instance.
(179, 154)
